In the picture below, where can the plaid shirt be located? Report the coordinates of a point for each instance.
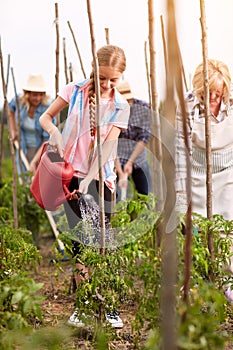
(138, 130)
(192, 104)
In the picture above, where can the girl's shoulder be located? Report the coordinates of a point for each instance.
(67, 91)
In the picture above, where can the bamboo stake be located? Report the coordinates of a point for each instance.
(97, 92)
(6, 112)
(147, 72)
(188, 226)
(101, 182)
(207, 109)
(169, 249)
(57, 50)
(207, 125)
(107, 35)
(71, 71)
(57, 58)
(155, 140)
(77, 49)
(164, 47)
(182, 69)
(18, 123)
(65, 60)
(3, 116)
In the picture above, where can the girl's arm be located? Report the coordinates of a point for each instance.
(46, 122)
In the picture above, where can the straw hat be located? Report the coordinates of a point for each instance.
(35, 83)
(124, 89)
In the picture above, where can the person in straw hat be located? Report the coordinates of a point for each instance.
(32, 104)
(132, 154)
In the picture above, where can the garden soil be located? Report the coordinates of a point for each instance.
(59, 301)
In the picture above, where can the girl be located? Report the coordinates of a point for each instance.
(78, 140)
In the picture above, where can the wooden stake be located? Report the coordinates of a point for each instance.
(97, 92)
(77, 49)
(3, 116)
(188, 225)
(71, 71)
(18, 122)
(107, 35)
(147, 72)
(57, 58)
(164, 47)
(207, 126)
(57, 50)
(155, 140)
(65, 61)
(169, 248)
(6, 112)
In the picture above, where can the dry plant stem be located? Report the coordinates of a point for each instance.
(18, 123)
(6, 112)
(107, 35)
(99, 148)
(65, 61)
(3, 117)
(71, 71)
(207, 126)
(77, 49)
(183, 71)
(57, 57)
(155, 140)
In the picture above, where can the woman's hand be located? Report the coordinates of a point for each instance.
(56, 141)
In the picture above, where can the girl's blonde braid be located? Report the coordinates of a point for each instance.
(91, 97)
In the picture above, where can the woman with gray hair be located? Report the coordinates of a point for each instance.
(220, 106)
(221, 129)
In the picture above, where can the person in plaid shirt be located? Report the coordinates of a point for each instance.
(132, 157)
